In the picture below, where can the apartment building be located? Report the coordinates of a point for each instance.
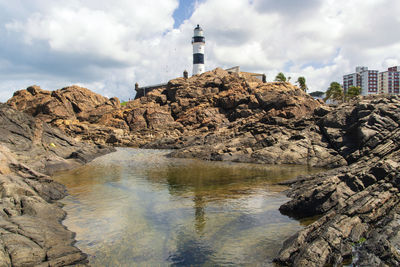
(373, 82)
(364, 78)
(388, 81)
(369, 82)
(353, 79)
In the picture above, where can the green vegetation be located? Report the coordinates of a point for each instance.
(353, 91)
(123, 104)
(301, 81)
(317, 94)
(359, 242)
(334, 92)
(280, 77)
(362, 240)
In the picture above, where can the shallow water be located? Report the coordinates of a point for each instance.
(137, 207)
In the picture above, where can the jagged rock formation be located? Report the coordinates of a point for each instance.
(77, 111)
(228, 117)
(359, 204)
(69, 103)
(31, 233)
(30, 228)
(40, 146)
(222, 116)
(216, 115)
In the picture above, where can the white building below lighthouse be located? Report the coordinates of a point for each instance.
(198, 42)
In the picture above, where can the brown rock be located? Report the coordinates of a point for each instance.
(203, 103)
(67, 103)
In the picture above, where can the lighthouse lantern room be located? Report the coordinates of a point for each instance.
(198, 42)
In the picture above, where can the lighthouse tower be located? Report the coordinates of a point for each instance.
(198, 42)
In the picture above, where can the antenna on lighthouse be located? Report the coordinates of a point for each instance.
(198, 42)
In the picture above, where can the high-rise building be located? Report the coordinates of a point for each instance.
(353, 79)
(364, 78)
(388, 81)
(369, 82)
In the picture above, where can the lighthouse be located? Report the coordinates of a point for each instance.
(198, 42)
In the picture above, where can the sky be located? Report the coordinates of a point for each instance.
(108, 46)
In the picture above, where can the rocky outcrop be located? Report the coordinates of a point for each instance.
(359, 203)
(42, 147)
(222, 116)
(76, 111)
(31, 233)
(69, 103)
(216, 115)
(30, 230)
(355, 130)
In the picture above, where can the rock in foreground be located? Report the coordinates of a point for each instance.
(31, 229)
(359, 204)
(31, 232)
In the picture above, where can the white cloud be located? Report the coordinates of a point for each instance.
(108, 46)
(100, 43)
(321, 40)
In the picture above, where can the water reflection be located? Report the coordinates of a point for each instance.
(199, 213)
(137, 206)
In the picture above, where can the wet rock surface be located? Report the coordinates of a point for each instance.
(31, 233)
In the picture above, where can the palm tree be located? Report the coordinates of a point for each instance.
(353, 91)
(280, 77)
(334, 92)
(302, 83)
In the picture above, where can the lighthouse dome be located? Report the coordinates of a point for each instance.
(198, 31)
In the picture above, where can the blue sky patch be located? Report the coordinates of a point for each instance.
(183, 12)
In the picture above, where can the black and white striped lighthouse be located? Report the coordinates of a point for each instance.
(198, 42)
